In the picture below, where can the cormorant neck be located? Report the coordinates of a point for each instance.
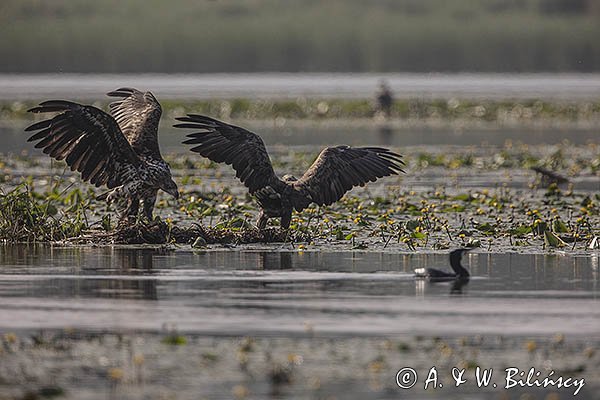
(456, 265)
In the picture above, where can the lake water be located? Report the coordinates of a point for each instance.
(277, 291)
(278, 85)
(311, 135)
(92, 87)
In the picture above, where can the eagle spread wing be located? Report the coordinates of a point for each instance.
(88, 139)
(338, 169)
(235, 146)
(138, 115)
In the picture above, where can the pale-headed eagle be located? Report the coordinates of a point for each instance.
(337, 169)
(119, 151)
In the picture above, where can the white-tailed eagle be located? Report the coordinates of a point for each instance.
(336, 171)
(120, 152)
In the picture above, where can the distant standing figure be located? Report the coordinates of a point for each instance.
(384, 100)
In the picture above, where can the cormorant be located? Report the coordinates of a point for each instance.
(119, 151)
(460, 272)
(335, 171)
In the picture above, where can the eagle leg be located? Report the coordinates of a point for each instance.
(132, 209)
(286, 219)
(262, 220)
(127, 201)
(149, 206)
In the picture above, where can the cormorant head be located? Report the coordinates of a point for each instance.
(171, 187)
(289, 178)
(455, 257)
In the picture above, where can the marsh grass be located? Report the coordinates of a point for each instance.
(29, 216)
(488, 111)
(26, 216)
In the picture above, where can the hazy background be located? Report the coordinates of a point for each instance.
(113, 36)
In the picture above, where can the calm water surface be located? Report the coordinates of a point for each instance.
(285, 292)
(14, 140)
(92, 87)
(274, 292)
(280, 85)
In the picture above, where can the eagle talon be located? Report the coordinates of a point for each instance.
(112, 196)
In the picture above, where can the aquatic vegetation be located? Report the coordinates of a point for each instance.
(28, 216)
(397, 215)
(174, 339)
(486, 111)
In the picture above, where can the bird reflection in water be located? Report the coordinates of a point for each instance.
(136, 262)
(276, 260)
(386, 134)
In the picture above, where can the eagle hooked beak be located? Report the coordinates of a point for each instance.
(171, 188)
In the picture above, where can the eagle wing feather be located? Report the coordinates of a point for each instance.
(88, 139)
(338, 169)
(138, 115)
(224, 143)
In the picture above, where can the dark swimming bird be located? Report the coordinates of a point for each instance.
(335, 171)
(119, 152)
(460, 272)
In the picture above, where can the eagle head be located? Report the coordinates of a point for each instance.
(171, 187)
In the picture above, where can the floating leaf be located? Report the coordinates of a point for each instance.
(552, 240)
(486, 228)
(463, 197)
(454, 208)
(418, 235)
(521, 230)
(411, 225)
(174, 339)
(559, 226)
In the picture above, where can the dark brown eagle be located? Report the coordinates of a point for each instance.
(119, 151)
(336, 170)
